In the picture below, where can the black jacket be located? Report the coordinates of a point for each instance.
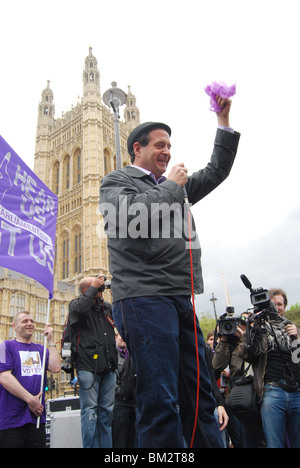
(156, 262)
(92, 325)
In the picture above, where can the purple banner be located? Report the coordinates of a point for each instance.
(28, 212)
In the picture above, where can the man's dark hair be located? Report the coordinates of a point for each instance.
(143, 140)
(279, 292)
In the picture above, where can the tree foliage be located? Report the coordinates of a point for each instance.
(293, 314)
(207, 323)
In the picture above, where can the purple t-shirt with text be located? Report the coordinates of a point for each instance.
(26, 363)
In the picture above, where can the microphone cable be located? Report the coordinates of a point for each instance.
(195, 325)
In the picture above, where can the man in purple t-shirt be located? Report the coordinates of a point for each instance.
(20, 385)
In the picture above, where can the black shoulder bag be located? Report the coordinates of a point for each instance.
(242, 401)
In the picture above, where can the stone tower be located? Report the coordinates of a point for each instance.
(131, 113)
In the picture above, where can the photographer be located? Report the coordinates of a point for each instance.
(96, 361)
(268, 346)
(227, 354)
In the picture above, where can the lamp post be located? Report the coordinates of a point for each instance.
(213, 299)
(114, 98)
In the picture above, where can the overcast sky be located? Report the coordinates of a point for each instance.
(168, 51)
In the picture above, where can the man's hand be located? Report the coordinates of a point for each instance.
(178, 174)
(98, 281)
(223, 116)
(291, 330)
(35, 405)
(49, 333)
(223, 417)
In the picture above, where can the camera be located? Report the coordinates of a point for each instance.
(228, 323)
(105, 285)
(260, 298)
(263, 323)
(66, 353)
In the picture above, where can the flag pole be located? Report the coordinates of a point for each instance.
(44, 361)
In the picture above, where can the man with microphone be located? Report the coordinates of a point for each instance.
(151, 281)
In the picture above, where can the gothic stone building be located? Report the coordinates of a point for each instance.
(72, 155)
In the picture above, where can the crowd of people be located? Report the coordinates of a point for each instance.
(147, 379)
(276, 377)
(108, 385)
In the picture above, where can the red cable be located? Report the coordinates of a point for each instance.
(195, 329)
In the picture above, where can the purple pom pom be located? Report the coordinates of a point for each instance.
(219, 89)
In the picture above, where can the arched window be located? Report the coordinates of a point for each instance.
(66, 254)
(77, 167)
(107, 162)
(66, 173)
(78, 252)
(55, 178)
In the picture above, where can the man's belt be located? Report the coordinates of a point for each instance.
(287, 388)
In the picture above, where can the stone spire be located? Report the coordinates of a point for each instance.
(131, 111)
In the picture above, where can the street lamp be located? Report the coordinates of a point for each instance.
(114, 98)
(213, 299)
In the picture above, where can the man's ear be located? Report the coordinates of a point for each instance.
(137, 150)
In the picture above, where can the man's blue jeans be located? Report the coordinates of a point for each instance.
(159, 332)
(280, 413)
(96, 408)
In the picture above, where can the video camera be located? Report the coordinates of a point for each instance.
(260, 299)
(265, 320)
(263, 308)
(228, 323)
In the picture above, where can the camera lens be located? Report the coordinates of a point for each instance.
(228, 326)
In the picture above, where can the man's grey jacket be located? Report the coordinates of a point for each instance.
(148, 225)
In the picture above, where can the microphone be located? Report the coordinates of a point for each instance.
(185, 196)
(246, 282)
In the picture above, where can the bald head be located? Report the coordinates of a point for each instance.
(95, 281)
(85, 283)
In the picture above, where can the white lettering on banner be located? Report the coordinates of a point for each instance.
(4, 176)
(12, 237)
(46, 251)
(19, 223)
(34, 210)
(28, 211)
